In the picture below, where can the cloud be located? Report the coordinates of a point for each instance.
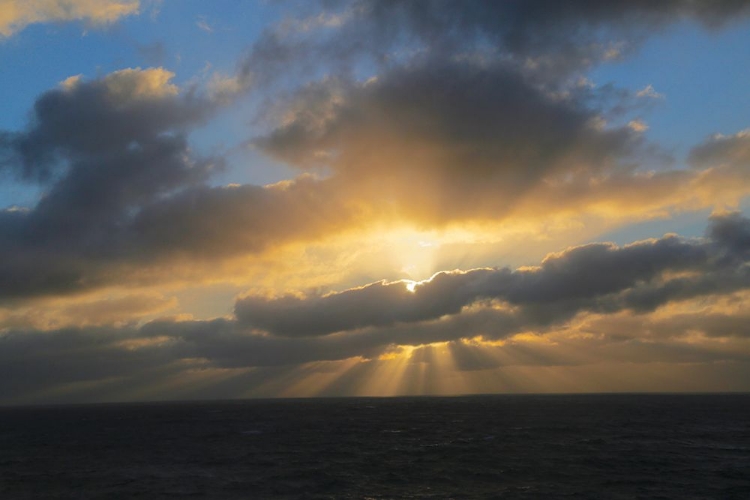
(212, 223)
(480, 112)
(486, 143)
(203, 25)
(56, 313)
(595, 277)
(648, 91)
(15, 15)
(548, 38)
(126, 198)
(573, 310)
(398, 116)
(436, 138)
(104, 149)
(638, 125)
(478, 141)
(122, 113)
(135, 85)
(722, 150)
(500, 135)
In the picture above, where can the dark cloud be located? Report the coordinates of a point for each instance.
(476, 109)
(475, 112)
(210, 223)
(36, 365)
(732, 232)
(448, 140)
(455, 308)
(73, 242)
(103, 150)
(35, 361)
(722, 150)
(595, 277)
(547, 37)
(124, 192)
(457, 130)
(101, 120)
(488, 118)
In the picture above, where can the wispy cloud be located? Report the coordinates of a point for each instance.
(648, 91)
(204, 25)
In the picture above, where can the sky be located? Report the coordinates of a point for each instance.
(212, 200)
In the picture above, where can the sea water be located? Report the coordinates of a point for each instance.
(551, 446)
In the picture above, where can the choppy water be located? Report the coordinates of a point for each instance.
(597, 446)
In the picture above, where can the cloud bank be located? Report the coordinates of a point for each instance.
(595, 277)
(635, 303)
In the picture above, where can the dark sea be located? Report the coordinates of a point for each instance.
(561, 446)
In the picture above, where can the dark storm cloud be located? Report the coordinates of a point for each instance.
(596, 277)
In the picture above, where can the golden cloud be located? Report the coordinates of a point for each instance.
(15, 15)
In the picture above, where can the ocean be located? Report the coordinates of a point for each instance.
(663, 446)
